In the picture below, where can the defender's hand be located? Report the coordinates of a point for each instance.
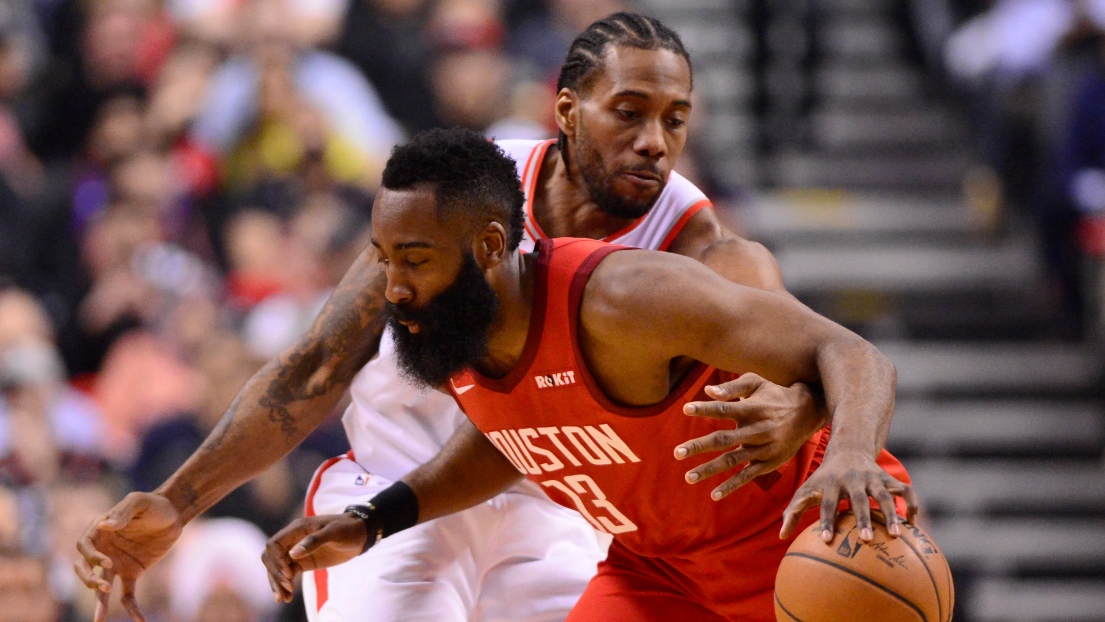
(773, 423)
(855, 477)
(130, 538)
(309, 544)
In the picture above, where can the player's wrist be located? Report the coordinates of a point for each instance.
(388, 513)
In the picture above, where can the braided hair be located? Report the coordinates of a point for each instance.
(585, 54)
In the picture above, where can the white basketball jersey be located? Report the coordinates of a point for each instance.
(394, 427)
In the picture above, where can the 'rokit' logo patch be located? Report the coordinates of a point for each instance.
(559, 379)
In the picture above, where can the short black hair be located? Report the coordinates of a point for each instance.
(628, 29)
(470, 174)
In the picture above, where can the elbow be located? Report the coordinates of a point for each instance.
(885, 369)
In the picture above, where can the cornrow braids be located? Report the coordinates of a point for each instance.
(622, 28)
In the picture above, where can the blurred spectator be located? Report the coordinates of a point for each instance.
(25, 589)
(215, 574)
(386, 40)
(22, 57)
(540, 41)
(116, 135)
(47, 429)
(311, 23)
(297, 105)
(121, 46)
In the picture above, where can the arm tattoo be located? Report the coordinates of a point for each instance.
(344, 339)
(188, 495)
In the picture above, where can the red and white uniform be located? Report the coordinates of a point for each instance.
(446, 570)
(615, 466)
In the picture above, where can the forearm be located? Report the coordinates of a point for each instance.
(289, 397)
(859, 385)
(257, 430)
(468, 471)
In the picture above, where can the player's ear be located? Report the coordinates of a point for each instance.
(490, 247)
(566, 111)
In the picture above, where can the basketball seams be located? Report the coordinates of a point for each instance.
(932, 579)
(848, 570)
(784, 608)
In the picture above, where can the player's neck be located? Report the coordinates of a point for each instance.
(512, 282)
(563, 207)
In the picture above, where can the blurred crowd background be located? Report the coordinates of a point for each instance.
(182, 182)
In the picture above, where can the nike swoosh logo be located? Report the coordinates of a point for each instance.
(461, 390)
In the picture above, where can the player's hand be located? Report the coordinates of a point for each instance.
(853, 476)
(773, 423)
(130, 538)
(309, 544)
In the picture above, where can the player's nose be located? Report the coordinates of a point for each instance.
(650, 140)
(398, 292)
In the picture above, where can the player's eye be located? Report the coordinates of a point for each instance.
(676, 123)
(626, 114)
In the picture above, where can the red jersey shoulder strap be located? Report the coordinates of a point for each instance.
(572, 259)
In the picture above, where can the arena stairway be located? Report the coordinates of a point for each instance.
(854, 168)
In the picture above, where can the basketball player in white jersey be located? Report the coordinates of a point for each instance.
(622, 107)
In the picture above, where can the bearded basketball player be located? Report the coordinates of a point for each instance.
(623, 106)
(573, 364)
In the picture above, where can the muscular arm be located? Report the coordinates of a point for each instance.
(289, 397)
(734, 328)
(468, 471)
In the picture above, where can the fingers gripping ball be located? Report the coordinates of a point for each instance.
(887, 579)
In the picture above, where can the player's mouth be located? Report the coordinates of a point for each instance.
(644, 179)
(411, 325)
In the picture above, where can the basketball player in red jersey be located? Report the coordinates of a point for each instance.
(573, 364)
(624, 77)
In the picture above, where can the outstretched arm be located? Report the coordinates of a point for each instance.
(468, 471)
(278, 407)
(738, 328)
(290, 396)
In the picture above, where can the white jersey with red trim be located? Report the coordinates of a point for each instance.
(394, 427)
(677, 203)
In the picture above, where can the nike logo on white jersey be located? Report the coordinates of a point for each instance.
(461, 390)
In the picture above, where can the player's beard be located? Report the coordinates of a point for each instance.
(453, 328)
(600, 181)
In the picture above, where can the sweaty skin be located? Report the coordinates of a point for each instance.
(294, 393)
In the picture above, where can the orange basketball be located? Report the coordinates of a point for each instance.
(848, 580)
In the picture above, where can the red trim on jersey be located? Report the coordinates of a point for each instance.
(531, 180)
(322, 587)
(682, 222)
(525, 169)
(575, 299)
(633, 225)
(506, 384)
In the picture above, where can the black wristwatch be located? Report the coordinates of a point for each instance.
(367, 514)
(388, 513)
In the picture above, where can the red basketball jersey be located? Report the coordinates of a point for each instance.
(613, 464)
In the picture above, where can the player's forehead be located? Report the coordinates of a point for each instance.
(661, 73)
(408, 218)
